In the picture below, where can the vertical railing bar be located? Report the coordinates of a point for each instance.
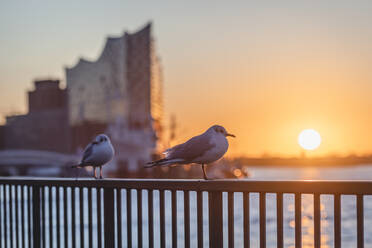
(139, 214)
(29, 200)
(199, 202)
(65, 219)
(187, 217)
(360, 221)
(1, 220)
(99, 218)
(230, 210)
(151, 218)
(3, 225)
(246, 225)
(41, 197)
(5, 216)
(119, 218)
(11, 214)
(337, 220)
(129, 217)
(58, 214)
(215, 219)
(81, 215)
(279, 219)
(162, 219)
(73, 217)
(317, 235)
(36, 215)
(109, 215)
(298, 225)
(90, 217)
(16, 216)
(262, 219)
(23, 209)
(174, 218)
(50, 201)
(23, 226)
(43, 216)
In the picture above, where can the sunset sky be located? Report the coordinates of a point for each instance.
(265, 70)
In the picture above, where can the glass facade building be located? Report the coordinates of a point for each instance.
(121, 92)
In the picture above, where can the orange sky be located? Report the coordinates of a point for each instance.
(265, 71)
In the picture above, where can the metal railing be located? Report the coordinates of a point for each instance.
(87, 213)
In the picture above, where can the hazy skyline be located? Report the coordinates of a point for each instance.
(265, 71)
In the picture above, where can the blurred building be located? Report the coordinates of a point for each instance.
(45, 126)
(120, 93)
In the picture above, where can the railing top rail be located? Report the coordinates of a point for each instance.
(230, 185)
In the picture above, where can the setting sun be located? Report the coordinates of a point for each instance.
(309, 139)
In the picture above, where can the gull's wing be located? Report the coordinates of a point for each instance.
(87, 153)
(191, 149)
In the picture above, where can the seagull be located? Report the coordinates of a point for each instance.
(202, 149)
(97, 153)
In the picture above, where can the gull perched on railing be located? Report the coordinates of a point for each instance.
(97, 153)
(202, 149)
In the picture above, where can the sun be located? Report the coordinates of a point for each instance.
(309, 139)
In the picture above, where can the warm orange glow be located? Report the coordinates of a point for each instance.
(262, 80)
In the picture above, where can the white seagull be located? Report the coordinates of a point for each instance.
(99, 152)
(202, 149)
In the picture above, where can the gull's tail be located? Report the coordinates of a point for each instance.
(164, 161)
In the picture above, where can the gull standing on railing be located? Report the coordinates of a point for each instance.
(97, 153)
(202, 149)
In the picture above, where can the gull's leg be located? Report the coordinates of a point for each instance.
(95, 172)
(100, 172)
(204, 173)
(77, 174)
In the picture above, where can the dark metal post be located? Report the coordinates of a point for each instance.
(109, 212)
(360, 221)
(262, 219)
(298, 224)
(151, 219)
(246, 219)
(199, 201)
(215, 219)
(230, 209)
(337, 220)
(186, 204)
(36, 215)
(279, 220)
(317, 237)
(162, 218)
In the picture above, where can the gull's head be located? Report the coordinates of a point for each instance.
(101, 139)
(220, 130)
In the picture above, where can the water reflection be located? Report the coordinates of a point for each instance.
(348, 206)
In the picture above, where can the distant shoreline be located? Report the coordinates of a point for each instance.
(304, 162)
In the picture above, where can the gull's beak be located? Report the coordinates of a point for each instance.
(231, 135)
(94, 142)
